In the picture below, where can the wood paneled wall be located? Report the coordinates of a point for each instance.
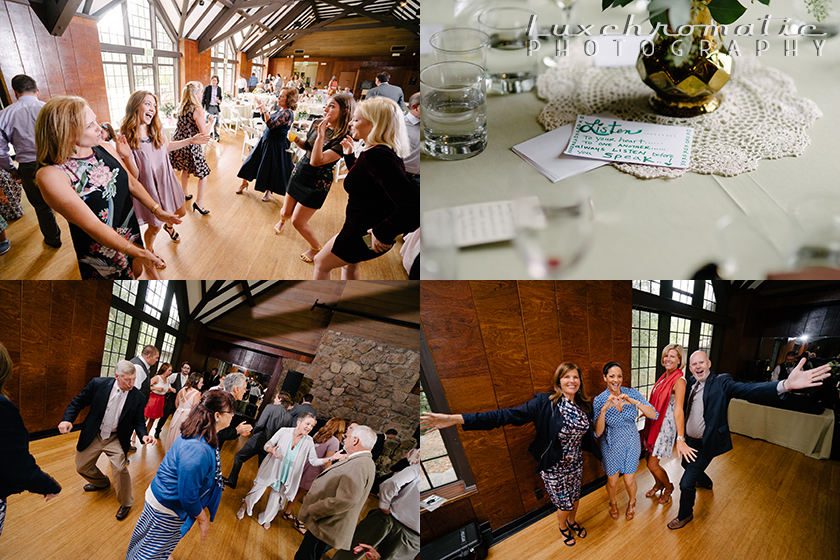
(66, 65)
(192, 65)
(497, 344)
(55, 334)
(281, 67)
(243, 66)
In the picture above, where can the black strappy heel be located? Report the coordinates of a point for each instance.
(581, 532)
(568, 538)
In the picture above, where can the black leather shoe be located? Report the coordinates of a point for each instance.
(677, 523)
(55, 244)
(92, 488)
(229, 482)
(122, 513)
(699, 485)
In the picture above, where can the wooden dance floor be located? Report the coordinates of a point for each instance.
(81, 526)
(768, 502)
(234, 241)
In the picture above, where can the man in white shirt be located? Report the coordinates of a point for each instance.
(116, 410)
(782, 371)
(707, 425)
(142, 364)
(241, 84)
(394, 528)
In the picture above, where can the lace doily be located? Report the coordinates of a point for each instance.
(761, 116)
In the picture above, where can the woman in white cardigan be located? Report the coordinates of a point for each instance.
(282, 468)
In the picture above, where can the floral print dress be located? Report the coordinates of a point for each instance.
(102, 184)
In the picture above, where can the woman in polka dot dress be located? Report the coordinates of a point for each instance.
(563, 423)
(616, 410)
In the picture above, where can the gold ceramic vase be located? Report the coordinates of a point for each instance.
(687, 70)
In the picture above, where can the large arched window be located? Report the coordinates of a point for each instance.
(138, 52)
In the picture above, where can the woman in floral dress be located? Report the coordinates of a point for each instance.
(85, 182)
(189, 160)
(563, 422)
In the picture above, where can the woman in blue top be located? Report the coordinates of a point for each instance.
(188, 480)
(564, 429)
(289, 449)
(616, 413)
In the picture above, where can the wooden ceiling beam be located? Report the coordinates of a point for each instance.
(307, 31)
(287, 20)
(209, 40)
(203, 15)
(414, 28)
(184, 14)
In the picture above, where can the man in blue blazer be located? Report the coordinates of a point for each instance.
(706, 423)
(116, 410)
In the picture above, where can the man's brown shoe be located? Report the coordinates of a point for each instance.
(675, 523)
(122, 513)
(92, 488)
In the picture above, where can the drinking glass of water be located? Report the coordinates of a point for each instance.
(509, 68)
(465, 44)
(553, 232)
(453, 109)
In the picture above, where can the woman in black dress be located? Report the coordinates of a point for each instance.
(269, 162)
(382, 201)
(86, 183)
(189, 160)
(313, 175)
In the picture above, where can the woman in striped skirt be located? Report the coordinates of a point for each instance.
(188, 480)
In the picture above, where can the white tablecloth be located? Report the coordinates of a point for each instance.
(643, 228)
(245, 111)
(810, 434)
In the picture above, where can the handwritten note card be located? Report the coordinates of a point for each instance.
(616, 140)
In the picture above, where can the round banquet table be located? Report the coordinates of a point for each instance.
(653, 228)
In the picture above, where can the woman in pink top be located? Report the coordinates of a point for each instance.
(145, 150)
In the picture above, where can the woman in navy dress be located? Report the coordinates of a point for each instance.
(616, 413)
(269, 162)
(563, 423)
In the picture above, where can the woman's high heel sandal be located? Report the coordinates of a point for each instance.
(666, 495)
(652, 492)
(581, 532)
(242, 188)
(278, 227)
(631, 510)
(568, 538)
(613, 510)
(199, 209)
(306, 258)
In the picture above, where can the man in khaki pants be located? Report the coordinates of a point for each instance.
(116, 410)
(332, 506)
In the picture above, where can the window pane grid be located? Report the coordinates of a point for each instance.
(434, 459)
(174, 319)
(709, 302)
(116, 340)
(706, 337)
(650, 286)
(111, 28)
(147, 335)
(116, 84)
(164, 43)
(155, 292)
(643, 350)
(683, 291)
(126, 290)
(167, 348)
(680, 328)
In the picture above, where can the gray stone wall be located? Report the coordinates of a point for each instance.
(365, 381)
